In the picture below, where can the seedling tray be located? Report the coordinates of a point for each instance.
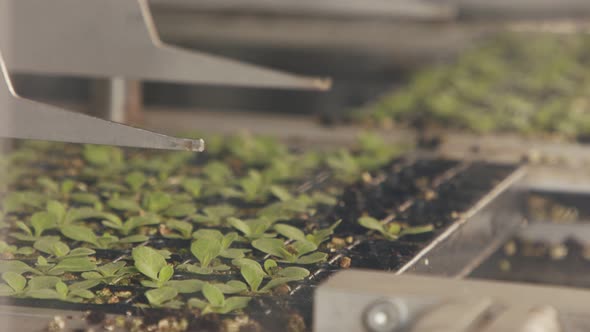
(425, 194)
(552, 249)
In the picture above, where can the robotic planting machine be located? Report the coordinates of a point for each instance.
(505, 259)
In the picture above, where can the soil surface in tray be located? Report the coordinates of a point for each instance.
(558, 207)
(564, 264)
(235, 239)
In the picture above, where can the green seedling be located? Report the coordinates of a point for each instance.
(108, 188)
(215, 215)
(7, 249)
(225, 241)
(316, 237)
(180, 210)
(102, 155)
(316, 198)
(45, 288)
(55, 267)
(206, 249)
(87, 199)
(163, 297)
(135, 180)
(110, 273)
(393, 230)
(65, 264)
(157, 201)
(252, 229)
(256, 150)
(106, 241)
(123, 204)
(374, 152)
(52, 245)
(298, 252)
(177, 229)
(250, 188)
(132, 223)
(17, 267)
(284, 210)
(344, 166)
(55, 216)
(215, 301)
(23, 201)
(193, 186)
(55, 189)
(152, 264)
(217, 174)
(14, 284)
(54, 289)
(254, 274)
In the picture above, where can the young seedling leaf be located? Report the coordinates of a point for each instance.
(158, 297)
(148, 261)
(206, 249)
(42, 221)
(271, 246)
(17, 267)
(290, 232)
(180, 210)
(80, 233)
(213, 295)
(43, 282)
(316, 257)
(293, 272)
(303, 247)
(165, 274)
(281, 193)
(157, 201)
(186, 286)
(15, 281)
(133, 239)
(193, 187)
(235, 303)
(251, 271)
(183, 228)
(80, 252)
(270, 266)
(371, 223)
(52, 245)
(57, 209)
(122, 204)
(417, 230)
(78, 264)
(135, 180)
(62, 290)
(232, 287)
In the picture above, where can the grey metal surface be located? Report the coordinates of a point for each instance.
(486, 306)
(116, 38)
(390, 9)
(39, 319)
(27, 119)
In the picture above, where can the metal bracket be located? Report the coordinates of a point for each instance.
(117, 38)
(350, 299)
(107, 38)
(27, 119)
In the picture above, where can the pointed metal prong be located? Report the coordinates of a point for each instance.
(26, 119)
(109, 38)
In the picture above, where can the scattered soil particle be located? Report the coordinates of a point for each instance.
(95, 317)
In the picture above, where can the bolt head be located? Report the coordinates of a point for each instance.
(385, 316)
